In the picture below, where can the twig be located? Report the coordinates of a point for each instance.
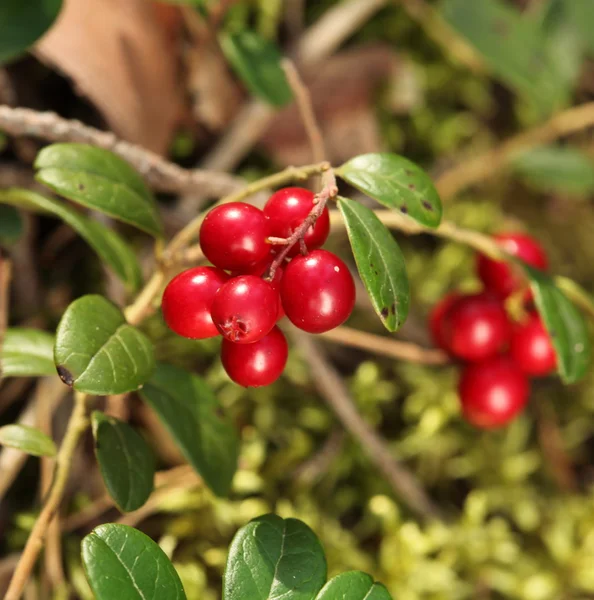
(314, 468)
(386, 346)
(335, 393)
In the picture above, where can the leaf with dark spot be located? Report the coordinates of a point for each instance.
(65, 375)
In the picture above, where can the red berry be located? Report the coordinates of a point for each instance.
(276, 284)
(476, 327)
(288, 208)
(317, 291)
(233, 236)
(531, 347)
(187, 301)
(245, 309)
(257, 364)
(493, 392)
(499, 276)
(437, 317)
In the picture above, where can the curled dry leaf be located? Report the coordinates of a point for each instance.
(118, 54)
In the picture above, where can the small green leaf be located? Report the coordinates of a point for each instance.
(97, 352)
(565, 325)
(257, 61)
(28, 439)
(100, 180)
(27, 353)
(274, 558)
(125, 564)
(192, 414)
(11, 225)
(379, 261)
(395, 182)
(582, 18)
(127, 463)
(354, 585)
(110, 247)
(23, 23)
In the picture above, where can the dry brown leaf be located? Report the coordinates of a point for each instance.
(119, 56)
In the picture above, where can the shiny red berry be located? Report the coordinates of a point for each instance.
(437, 320)
(245, 309)
(187, 301)
(499, 277)
(257, 364)
(493, 392)
(317, 291)
(531, 347)
(233, 236)
(476, 327)
(287, 209)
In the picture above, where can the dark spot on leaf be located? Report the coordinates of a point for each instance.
(385, 312)
(404, 209)
(65, 375)
(411, 186)
(218, 411)
(376, 272)
(393, 308)
(427, 206)
(81, 187)
(408, 172)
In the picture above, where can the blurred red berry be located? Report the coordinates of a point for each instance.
(531, 347)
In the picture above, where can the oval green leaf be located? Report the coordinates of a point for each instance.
(97, 352)
(395, 182)
(11, 225)
(257, 61)
(274, 558)
(122, 562)
(27, 353)
(565, 325)
(126, 462)
(354, 585)
(110, 246)
(28, 439)
(379, 261)
(194, 418)
(100, 180)
(23, 23)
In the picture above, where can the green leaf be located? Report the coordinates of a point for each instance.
(354, 585)
(379, 261)
(11, 225)
(97, 352)
(582, 18)
(23, 23)
(125, 564)
(192, 414)
(100, 180)
(110, 246)
(27, 353)
(257, 61)
(552, 168)
(274, 558)
(28, 439)
(565, 325)
(395, 182)
(127, 463)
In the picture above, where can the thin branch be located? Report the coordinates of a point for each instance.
(313, 469)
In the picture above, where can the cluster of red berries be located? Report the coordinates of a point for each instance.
(249, 289)
(501, 354)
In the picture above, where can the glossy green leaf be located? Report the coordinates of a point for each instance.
(379, 261)
(28, 439)
(123, 563)
(110, 246)
(11, 225)
(97, 352)
(27, 353)
(23, 23)
(395, 182)
(100, 180)
(257, 61)
(192, 414)
(272, 558)
(126, 462)
(565, 325)
(560, 169)
(354, 585)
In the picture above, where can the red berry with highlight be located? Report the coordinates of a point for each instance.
(317, 291)
(257, 364)
(187, 301)
(288, 208)
(245, 309)
(233, 236)
(493, 392)
(531, 347)
(437, 320)
(499, 276)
